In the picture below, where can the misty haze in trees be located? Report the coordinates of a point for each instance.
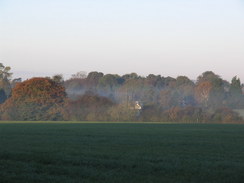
(110, 97)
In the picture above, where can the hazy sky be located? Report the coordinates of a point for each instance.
(167, 37)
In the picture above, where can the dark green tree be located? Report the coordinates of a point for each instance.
(92, 80)
(235, 99)
(3, 96)
(5, 79)
(235, 87)
(108, 83)
(58, 78)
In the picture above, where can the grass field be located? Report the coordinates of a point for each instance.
(121, 153)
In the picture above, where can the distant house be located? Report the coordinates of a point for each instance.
(136, 105)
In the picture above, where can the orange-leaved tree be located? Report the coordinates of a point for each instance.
(202, 92)
(35, 99)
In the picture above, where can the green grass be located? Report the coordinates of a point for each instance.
(121, 153)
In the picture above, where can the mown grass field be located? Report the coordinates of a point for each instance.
(121, 153)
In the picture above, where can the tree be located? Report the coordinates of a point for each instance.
(185, 88)
(93, 77)
(58, 78)
(210, 77)
(93, 80)
(5, 72)
(79, 75)
(177, 92)
(108, 83)
(15, 81)
(183, 80)
(122, 112)
(75, 87)
(130, 76)
(3, 96)
(89, 107)
(169, 81)
(169, 98)
(210, 90)
(225, 115)
(151, 113)
(236, 98)
(5, 77)
(235, 87)
(154, 81)
(35, 99)
(131, 90)
(202, 92)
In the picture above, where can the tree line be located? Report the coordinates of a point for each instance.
(111, 97)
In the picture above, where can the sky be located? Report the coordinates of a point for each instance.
(166, 37)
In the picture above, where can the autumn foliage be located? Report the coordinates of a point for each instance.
(202, 92)
(35, 99)
(111, 97)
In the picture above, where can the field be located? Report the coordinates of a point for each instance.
(121, 153)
